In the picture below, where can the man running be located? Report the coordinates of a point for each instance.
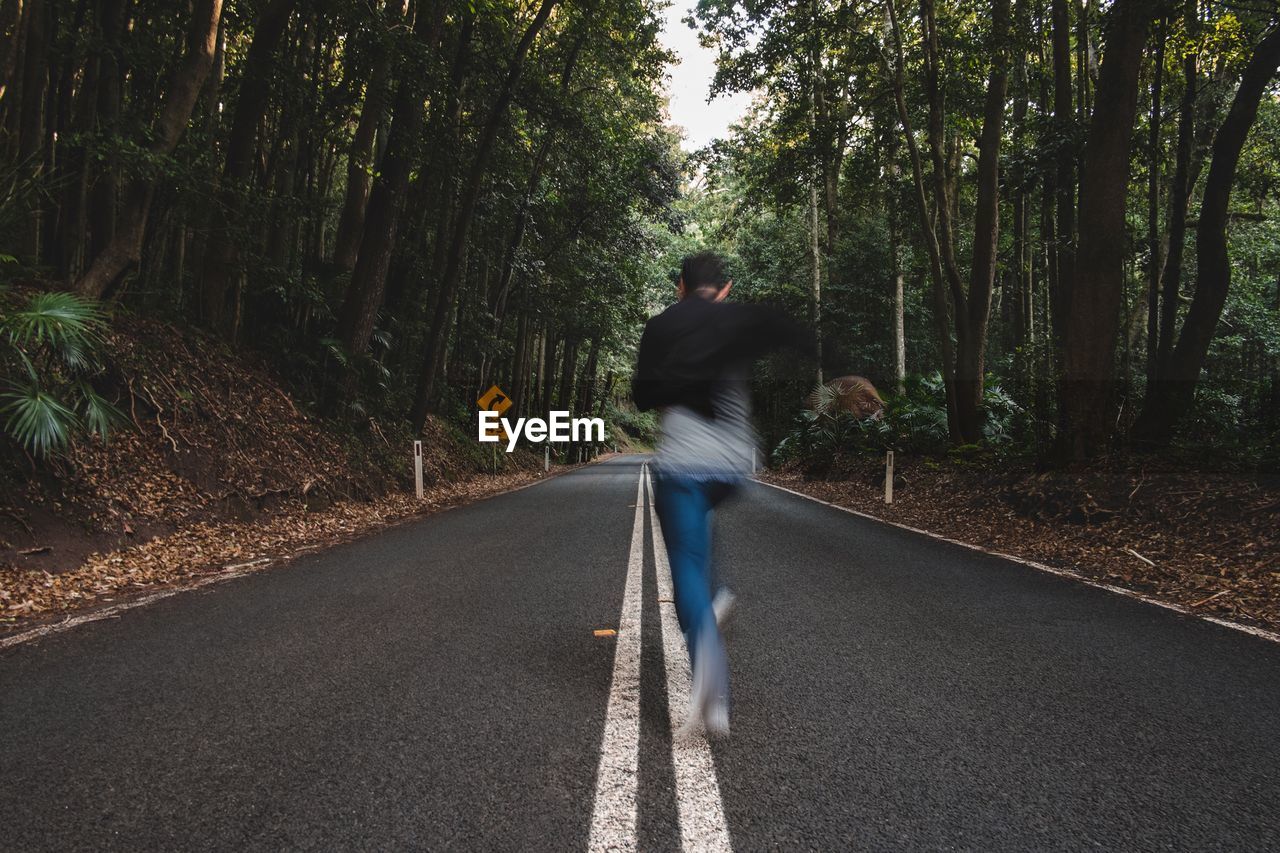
(694, 366)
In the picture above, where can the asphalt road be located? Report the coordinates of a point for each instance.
(439, 685)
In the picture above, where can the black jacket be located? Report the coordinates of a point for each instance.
(688, 347)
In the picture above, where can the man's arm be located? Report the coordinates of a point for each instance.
(645, 386)
(755, 330)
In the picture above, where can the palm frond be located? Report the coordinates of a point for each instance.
(823, 398)
(39, 421)
(100, 416)
(65, 323)
(337, 351)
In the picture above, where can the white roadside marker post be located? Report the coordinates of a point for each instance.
(546, 458)
(417, 469)
(888, 477)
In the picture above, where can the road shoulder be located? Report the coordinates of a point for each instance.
(1103, 569)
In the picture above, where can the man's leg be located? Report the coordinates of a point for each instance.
(684, 507)
(723, 601)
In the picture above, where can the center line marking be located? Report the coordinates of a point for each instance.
(701, 810)
(613, 817)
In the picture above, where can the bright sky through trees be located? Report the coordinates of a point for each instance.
(690, 82)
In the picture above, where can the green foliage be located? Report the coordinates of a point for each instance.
(49, 358)
(912, 422)
(587, 203)
(639, 427)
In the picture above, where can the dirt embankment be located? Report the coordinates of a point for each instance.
(1209, 541)
(216, 465)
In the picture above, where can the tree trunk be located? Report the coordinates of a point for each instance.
(941, 312)
(10, 45)
(1098, 289)
(587, 385)
(1179, 202)
(519, 364)
(125, 247)
(77, 83)
(103, 189)
(815, 290)
(606, 394)
(944, 210)
(1175, 389)
(551, 347)
(31, 115)
(568, 372)
(364, 292)
(223, 253)
(1154, 259)
(213, 84)
(1064, 247)
(1022, 281)
(895, 262)
(360, 157)
(944, 206)
(971, 329)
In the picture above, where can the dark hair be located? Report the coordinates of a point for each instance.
(703, 271)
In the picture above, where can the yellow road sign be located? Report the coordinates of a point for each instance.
(494, 400)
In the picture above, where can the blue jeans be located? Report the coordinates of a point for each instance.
(684, 508)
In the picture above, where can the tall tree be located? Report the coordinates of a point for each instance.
(1155, 254)
(973, 312)
(223, 253)
(183, 89)
(1097, 290)
(363, 299)
(930, 236)
(1183, 181)
(360, 166)
(1174, 390)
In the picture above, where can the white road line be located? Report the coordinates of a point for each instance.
(1260, 633)
(701, 811)
(613, 817)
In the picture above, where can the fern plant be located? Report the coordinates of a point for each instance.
(49, 355)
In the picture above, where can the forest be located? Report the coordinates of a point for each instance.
(397, 203)
(1046, 227)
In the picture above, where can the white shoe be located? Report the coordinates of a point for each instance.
(724, 605)
(716, 718)
(699, 694)
(707, 706)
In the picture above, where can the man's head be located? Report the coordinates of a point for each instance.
(702, 276)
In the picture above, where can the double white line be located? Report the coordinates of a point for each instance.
(700, 809)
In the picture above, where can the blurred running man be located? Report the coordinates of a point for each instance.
(694, 366)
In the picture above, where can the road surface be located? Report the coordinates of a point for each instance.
(440, 685)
